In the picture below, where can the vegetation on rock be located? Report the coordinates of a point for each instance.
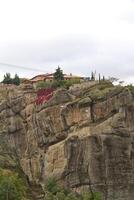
(11, 186)
(43, 95)
(98, 122)
(131, 88)
(102, 90)
(8, 80)
(53, 191)
(57, 84)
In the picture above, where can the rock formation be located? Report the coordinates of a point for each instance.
(85, 139)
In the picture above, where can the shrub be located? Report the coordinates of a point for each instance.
(57, 84)
(55, 192)
(71, 197)
(11, 186)
(52, 186)
(104, 84)
(88, 196)
(131, 88)
(44, 85)
(60, 195)
(71, 82)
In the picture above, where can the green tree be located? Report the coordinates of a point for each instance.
(11, 187)
(16, 80)
(58, 75)
(7, 79)
(99, 78)
(92, 76)
(113, 79)
(71, 197)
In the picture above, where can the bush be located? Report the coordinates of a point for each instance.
(57, 84)
(51, 186)
(47, 84)
(131, 88)
(88, 196)
(11, 186)
(104, 84)
(55, 192)
(44, 85)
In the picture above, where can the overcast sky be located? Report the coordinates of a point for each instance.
(78, 35)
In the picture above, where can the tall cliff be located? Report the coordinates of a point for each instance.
(83, 136)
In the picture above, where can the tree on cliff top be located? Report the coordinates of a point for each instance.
(92, 76)
(16, 80)
(58, 75)
(7, 79)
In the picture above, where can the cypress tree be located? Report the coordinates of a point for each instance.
(92, 76)
(7, 79)
(58, 75)
(99, 78)
(16, 80)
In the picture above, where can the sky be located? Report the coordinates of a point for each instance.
(78, 35)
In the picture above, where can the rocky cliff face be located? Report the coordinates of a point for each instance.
(84, 140)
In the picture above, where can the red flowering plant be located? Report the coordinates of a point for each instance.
(43, 95)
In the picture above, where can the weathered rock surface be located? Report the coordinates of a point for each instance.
(84, 141)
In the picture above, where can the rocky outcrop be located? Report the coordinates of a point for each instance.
(85, 140)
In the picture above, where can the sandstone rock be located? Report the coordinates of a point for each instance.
(84, 142)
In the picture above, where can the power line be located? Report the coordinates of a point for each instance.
(26, 68)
